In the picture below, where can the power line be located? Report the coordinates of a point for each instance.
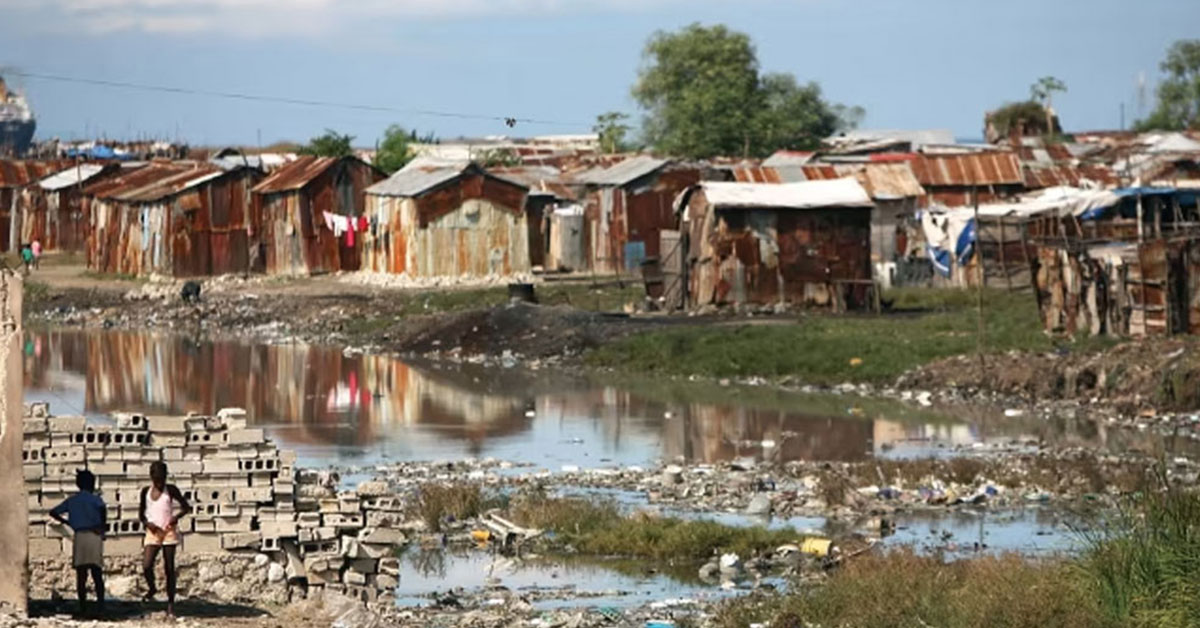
(508, 120)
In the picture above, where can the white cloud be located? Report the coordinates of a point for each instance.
(268, 18)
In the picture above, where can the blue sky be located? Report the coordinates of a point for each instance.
(910, 64)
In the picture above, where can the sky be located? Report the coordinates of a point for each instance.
(556, 64)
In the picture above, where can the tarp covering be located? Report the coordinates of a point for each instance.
(845, 192)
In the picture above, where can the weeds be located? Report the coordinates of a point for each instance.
(902, 588)
(598, 529)
(436, 504)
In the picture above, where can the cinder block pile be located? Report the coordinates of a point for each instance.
(246, 494)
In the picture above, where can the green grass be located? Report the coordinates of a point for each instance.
(438, 504)
(91, 274)
(599, 529)
(902, 589)
(924, 326)
(34, 291)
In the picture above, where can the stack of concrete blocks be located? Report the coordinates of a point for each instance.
(227, 470)
(348, 539)
(246, 494)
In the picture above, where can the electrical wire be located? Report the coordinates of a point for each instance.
(507, 120)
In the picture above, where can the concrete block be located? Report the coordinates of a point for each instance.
(193, 453)
(36, 441)
(126, 527)
(64, 455)
(202, 543)
(258, 465)
(308, 519)
(241, 540)
(364, 565)
(36, 409)
(34, 471)
(195, 423)
(374, 550)
(284, 489)
(185, 467)
(240, 523)
(256, 495)
(279, 529)
(37, 530)
(93, 436)
(270, 544)
(31, 426)
(204, 525)
(232, 510)
(61, 439)
(203, 437)
(386, 582)
(383, 519)
(64, 473)
(45, 547)
(323, 578)
(124, 438)
(341, 520)
(221, 466)
(355, 578)
(387, 503)
(275, 514)
(168, 439)
(33, 501)
(261, 478)
(325, 547)
(387, 536)
(287, 456)
(233, 418)
(57, 531)
(214, 494)
(349, 503)
(130, 421)
(171, 424)
(250, 436)
(329, 505)
(107, 467)
(137, 469)
(138, 454)
(66, 423)
(125, 545)
(390, 566)
(172, 454)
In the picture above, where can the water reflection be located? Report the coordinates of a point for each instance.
(335, 407)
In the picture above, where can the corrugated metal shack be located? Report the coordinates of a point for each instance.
(891, 185)
(51, 211)
(15, 175)
(949, 179)
(627, 205)
(308, 211)
(1108, 273)
(800, 243)
(179, 219)
(548, 192)
(447, 220)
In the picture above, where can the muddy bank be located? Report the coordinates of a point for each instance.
(1152, 372)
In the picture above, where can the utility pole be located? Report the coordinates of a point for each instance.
(980, 276)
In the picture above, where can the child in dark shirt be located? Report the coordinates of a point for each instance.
(87, 516)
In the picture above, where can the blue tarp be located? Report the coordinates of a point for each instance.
(964, 248)
(1121, 194)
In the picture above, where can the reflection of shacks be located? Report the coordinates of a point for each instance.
(294, 205)
(447, 220)
(52, 210)
(14, 176)
(628, 204)
(181, 219)
(1107, 272)
(712, 433)
(802, 242)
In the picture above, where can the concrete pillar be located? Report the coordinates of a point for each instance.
(14, 518)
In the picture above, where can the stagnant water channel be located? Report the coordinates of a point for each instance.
(336, 408)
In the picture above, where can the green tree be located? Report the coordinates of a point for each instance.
(396, 148)
(1042, 92)
(704, 97)
(611, 128)
(1178, 104)
(331, 144)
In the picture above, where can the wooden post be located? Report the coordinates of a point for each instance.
(1003, 260)
(979, 288)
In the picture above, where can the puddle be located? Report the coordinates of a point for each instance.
(335, 408)
(548, 584)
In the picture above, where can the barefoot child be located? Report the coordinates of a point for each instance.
(158, 513)
(87, 516)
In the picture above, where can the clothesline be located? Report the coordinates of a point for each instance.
(349, 225)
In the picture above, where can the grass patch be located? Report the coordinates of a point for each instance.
(34, 291)
(924, 326)
(901, 588)
(599, 529)
(91, 274)
(439, 504)
(581, 295)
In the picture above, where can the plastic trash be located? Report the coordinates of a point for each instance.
(856, 361)
(1014, 412)
(660, 623)
(816, 547)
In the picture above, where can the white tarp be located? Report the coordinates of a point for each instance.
(845, 192)
(70, 176)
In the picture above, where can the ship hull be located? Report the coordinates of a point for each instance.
(16, 136)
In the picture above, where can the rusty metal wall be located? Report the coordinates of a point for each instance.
(634, 213)
(476, 226)
(770, 256)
